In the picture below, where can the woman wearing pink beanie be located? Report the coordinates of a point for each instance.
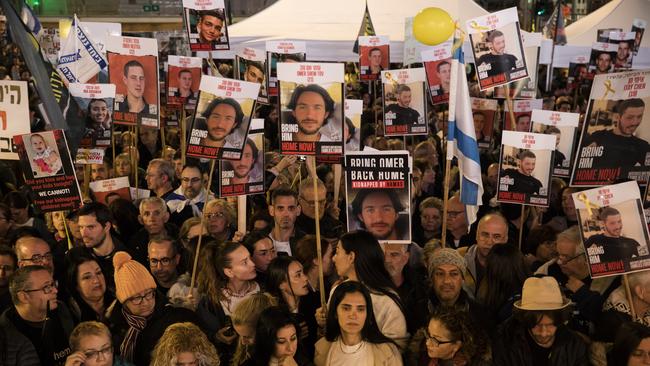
(139, 316)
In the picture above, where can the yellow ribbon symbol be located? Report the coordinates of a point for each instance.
(582, 197)
(390, 79)
(474, 25)
(608, 88)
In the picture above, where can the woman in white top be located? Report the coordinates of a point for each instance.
(360, 258)
(351, 334)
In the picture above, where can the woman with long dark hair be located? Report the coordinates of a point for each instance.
(87, 285)
(352, 336)
(504, 278)
(359, 258)
(276, 340)
(289, 284)
(631, 346)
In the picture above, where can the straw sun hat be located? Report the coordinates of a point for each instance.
(541, 293)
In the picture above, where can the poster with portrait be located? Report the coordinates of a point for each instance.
(282, 51)
(47, 166)
(624, 52)
(405, 102)
(437, 65)
(563, 126)
(484, 112)
(311, 109)
(579, 78)
(374, 56)
(638, 27)
(205, 21)
(250, 66)
(602, 35)
(523, 109)
(613, 229)
(133, 69)
(614, 143)
(246, 175)
(352, 125)
(14, 113)
(377, 186)
(497, 48)
(525, 88)
(183, 78)
(601, 60)
(525, 168)
(222, 118)
(96, 102)
(102, 189)
(646, 204)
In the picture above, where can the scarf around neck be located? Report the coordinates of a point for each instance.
(136, 325)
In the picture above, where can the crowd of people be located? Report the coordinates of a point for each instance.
(125, 282)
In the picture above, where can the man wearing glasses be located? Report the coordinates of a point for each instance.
(457, 227)
(492, 230)
(38, 315)
(140, 317)
(163, 262)
(191, 195)
(307, 199)
(31, 250)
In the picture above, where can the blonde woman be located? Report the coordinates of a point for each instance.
(184, 344)
(244, 321)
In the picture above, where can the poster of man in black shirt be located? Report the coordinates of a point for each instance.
(404, 102)
(613, 229)
(614, 142)
(497, 47)
(562, 125)
(525, 168)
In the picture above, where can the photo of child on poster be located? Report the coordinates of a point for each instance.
(497, 48)
(613, 229)
(311, 108)
(378, 194)
(133, 69)
(374, 56)
(205, 22)
(525, 168)
(404, 100)
(563, 126)
(614, 143)
(96, 100)
(45, 160)
(222, 118)
(246, 175)
(282, 51)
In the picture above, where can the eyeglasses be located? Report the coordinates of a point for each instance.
(47, 289)
(137, 300)
(436, 342)
(165, 261)
(215, 215)
(39, 258)
(563, 259)
(191, 180)
(94, 354)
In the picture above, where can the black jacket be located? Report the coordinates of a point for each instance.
(15, 348)
(511, 347)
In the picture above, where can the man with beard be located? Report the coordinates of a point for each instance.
(154, 218)
(242, 168)
(377, 212)
(95, 226)
(222, 118)
(190, 195)
(611, 245)
(163, 262)
(401, 113)
(135, 82)
(497, 61)
(522, 177)
(285, 210)
(621, 148)
(311, 107)
(209, 26)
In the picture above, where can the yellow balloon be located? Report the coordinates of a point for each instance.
(433, 26)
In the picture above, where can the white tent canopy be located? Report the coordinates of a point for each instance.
(615, 14)
(331, 27)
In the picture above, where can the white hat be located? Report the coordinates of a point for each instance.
(541, 293)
